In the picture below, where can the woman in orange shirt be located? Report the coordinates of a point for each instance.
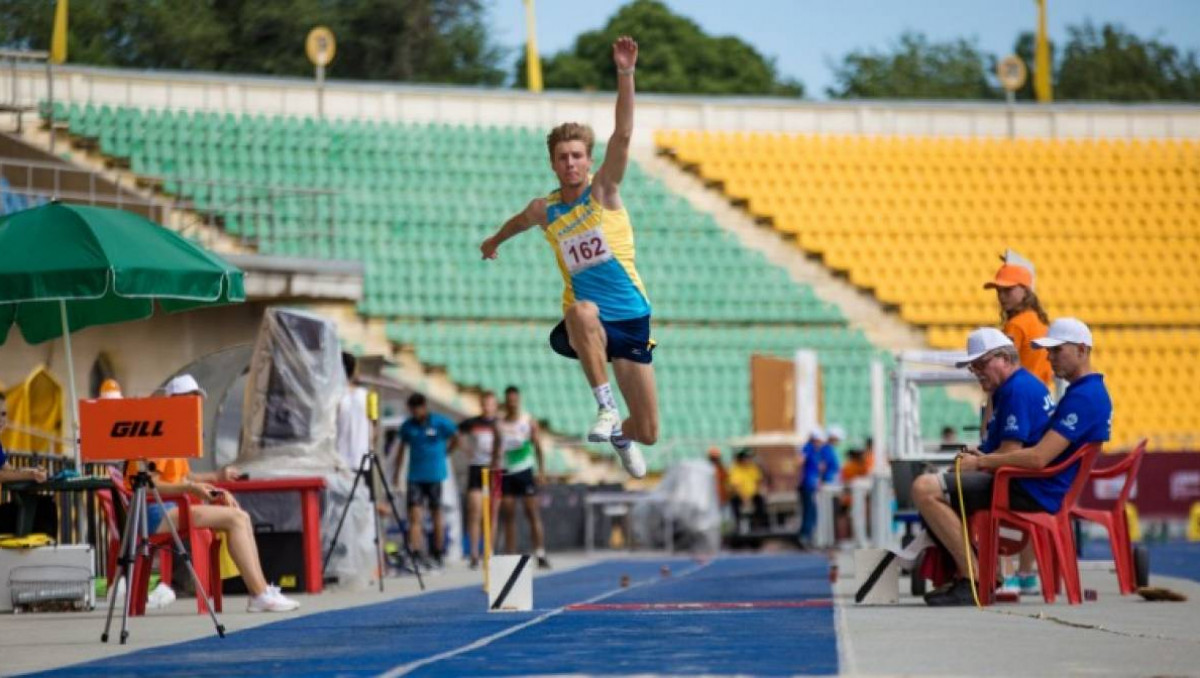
(1022, 318)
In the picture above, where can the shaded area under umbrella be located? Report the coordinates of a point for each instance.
(66, 267)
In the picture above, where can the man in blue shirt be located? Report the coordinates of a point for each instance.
(431, 437)
(1084, 415)
(831, 464)
(813, 463)
(1020, 409)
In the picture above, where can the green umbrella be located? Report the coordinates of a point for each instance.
(72, 266)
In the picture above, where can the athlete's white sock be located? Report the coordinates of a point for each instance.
(540, 553)
(604, 396)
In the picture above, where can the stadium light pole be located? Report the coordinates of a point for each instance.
(1011, 73)
(320, 46)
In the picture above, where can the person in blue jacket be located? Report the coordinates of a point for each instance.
(819, 464)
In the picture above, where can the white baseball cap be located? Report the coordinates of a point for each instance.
(981, 342)
(838, 432)
(1065, 331)
(184, 384)
(818, 433)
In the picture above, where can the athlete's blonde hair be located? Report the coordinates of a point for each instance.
(570, 131)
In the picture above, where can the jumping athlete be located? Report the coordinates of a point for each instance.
(605, 307)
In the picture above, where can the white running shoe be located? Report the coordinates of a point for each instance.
(632, 460)
(160, 597)
(607, 421)
(271, 600)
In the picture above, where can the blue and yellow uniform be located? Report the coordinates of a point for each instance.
(595, 253)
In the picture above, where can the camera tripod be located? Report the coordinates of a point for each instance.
(365, 473)
(135, 544)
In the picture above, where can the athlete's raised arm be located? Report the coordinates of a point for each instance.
(534, 214)
(616, 156)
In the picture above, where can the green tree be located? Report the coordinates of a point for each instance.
(444, 41)
(914, 68)
(1111, 64)
(675, 55)
(412, 40)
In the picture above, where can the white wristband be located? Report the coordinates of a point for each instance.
(625, 71)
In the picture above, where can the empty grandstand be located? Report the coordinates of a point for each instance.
(412, 201)
(1113, 227)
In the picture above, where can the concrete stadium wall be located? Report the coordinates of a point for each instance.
(468, 105)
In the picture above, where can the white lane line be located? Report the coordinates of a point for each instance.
(846, 663)
(405, 669)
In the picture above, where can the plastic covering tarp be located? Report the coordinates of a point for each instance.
(35, 414)
(289, 428)
(688, 491)
(295, 382)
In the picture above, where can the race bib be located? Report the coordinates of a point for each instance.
(583, 251)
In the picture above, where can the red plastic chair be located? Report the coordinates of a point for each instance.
(205, 550)
(201, 543)
(1114, 519)
(1051, 533)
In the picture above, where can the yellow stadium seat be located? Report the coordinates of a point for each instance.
(1112, 225)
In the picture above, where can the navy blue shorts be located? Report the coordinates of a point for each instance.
(627, 340)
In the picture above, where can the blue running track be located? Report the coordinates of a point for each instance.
(763, 615)
(1173, 559)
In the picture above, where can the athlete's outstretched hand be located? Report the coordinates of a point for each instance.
(488, 249)
(625, 51)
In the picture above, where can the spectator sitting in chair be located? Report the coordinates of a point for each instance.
(858, 465)
(746, 488)
(214, 509)
(8, 474)
(1013, 440)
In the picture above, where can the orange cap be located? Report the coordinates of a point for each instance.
(110, 389)
(1011, 275)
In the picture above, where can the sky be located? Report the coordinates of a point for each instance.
(805, 36)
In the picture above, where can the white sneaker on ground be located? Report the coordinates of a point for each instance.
(160, 597)
(271, 600)
(631, 459)
(607, 420)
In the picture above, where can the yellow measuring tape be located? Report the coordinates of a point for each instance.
(962, 512)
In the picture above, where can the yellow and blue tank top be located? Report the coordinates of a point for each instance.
(595, 253)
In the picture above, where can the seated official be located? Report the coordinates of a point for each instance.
(858, 465)
(8, 474)
(217, 511)
(1084, 415)
(746, 489)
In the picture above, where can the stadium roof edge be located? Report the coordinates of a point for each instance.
(507, 92)
(432, 104)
